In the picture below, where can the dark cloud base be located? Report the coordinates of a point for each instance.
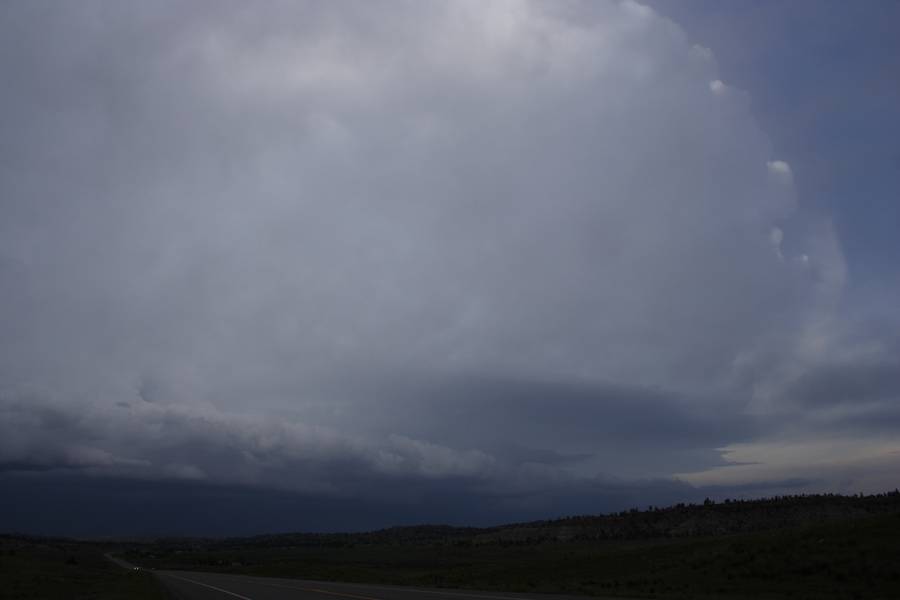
(80, 506)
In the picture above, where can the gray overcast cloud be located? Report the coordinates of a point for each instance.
(504, 248)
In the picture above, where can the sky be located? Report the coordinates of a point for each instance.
(345, 265)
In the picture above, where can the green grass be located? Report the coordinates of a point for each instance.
(854, 558)
(51, 569)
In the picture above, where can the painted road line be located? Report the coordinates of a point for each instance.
(315, 590)
(212, 587)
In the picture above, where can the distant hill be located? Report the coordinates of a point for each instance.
(679, 521)
(784, 548)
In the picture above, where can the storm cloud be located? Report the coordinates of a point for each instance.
(503, 248)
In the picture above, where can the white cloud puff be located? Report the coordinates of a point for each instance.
(780, 170)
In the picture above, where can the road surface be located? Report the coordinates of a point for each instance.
(120, 562)
(187, 585)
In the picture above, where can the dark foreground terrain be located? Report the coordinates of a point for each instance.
(800, 547)
(64, 569)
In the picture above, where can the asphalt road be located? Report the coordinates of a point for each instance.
(186, 585)
(120, 562)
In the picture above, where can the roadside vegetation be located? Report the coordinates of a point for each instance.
(49, 569)
(845, 547)
(782, 548)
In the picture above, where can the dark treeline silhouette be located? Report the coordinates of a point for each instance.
(805, 546)
(681, 520)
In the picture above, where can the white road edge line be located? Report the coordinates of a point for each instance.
(317, 591)
(212, 587)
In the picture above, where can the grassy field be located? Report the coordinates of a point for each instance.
(793, 547)
(857, 558)
(53, 569)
